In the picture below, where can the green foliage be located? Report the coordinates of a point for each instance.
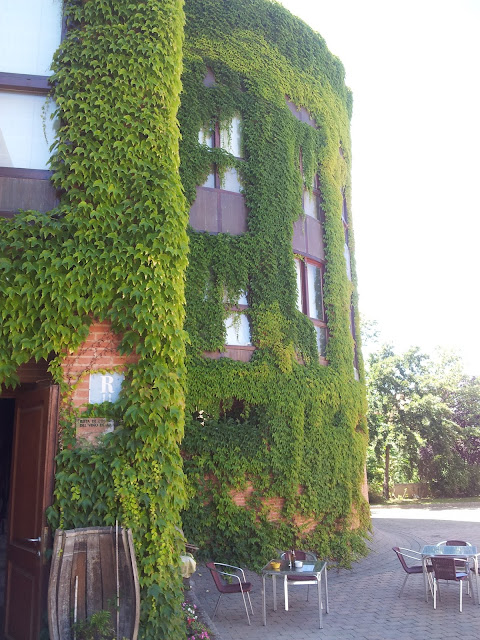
(397, 401)
(450, 463)
(426, 411)
(98, 626)
(115, 249)
(281, 426)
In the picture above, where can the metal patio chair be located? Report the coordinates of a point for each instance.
(412, 569)
(446, 569)
(462, 565)
(238, 584)
(297, 579)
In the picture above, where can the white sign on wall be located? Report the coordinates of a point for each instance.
(104, 387)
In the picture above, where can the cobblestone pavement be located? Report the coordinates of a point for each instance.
(364, 602)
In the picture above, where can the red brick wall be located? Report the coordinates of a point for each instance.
(274, 506)
(98, 352)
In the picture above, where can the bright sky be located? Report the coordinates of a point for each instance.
(414, 69)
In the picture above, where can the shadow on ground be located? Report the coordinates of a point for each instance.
(364, 602)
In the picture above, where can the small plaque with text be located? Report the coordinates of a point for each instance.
(90, 429)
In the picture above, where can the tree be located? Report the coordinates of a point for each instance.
(466, 402)
(407, 408)
(451, 465)
(424, 421)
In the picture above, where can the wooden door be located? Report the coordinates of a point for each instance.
(31, 486)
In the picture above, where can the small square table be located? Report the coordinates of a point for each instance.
(468, 552)
(309, 569)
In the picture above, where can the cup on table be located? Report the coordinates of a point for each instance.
(298, 564)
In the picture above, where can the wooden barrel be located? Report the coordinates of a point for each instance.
(93, 569)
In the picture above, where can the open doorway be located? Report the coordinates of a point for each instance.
(7, 415)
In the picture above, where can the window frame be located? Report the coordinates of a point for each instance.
(216, 144)
(346, 237)
(217, 208)
(45, 25)
(239, 308)
(355, 348)
(316, 195)
(28, 84)
(303, 262)
(24, 83)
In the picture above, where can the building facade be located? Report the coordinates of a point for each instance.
(275, 433)
(179, 333)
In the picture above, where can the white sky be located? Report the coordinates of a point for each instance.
(414, 69)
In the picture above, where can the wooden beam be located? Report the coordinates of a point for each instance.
(24, 83)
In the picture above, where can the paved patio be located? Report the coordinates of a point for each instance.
(364, 602)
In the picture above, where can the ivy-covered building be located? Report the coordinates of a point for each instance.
(182, 269)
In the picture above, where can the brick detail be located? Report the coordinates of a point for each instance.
(274, 507)
(240, 497)
(98, 352)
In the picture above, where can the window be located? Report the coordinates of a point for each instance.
(219, 206)
(355, 350)
(237, 326)
(344, 209)
(315, 291)
(30, 32)
(346, 254)
(207, 137)
(237, 330)
(310, 298)
(308, 228)
(26, 130)
(298, 268)
(229, 138)
(311, 199)
(346, 250)
(300, 113)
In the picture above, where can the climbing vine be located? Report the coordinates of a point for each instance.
(282, 431)
(115, 249)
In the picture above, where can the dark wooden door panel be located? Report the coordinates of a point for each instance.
(30, 493)
(22, 584)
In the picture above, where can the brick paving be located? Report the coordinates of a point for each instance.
(363, 601)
